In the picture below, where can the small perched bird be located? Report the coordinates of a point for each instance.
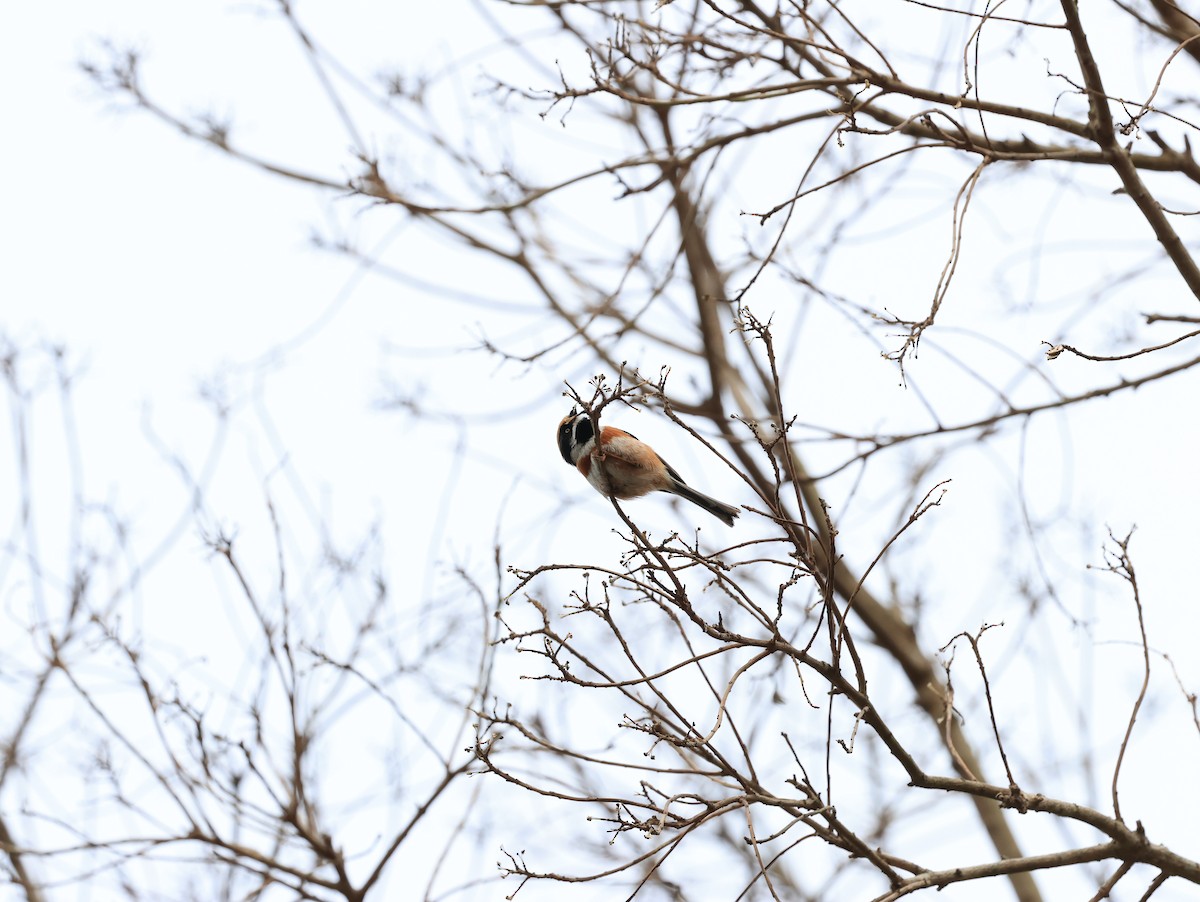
(623, 466)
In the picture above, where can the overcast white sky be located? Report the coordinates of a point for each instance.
(162, 267)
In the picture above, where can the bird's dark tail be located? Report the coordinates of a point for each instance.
(723, 512)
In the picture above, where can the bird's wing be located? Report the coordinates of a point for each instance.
(627, 448)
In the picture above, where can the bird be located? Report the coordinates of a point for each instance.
(626, 467)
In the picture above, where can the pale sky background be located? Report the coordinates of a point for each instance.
(164, 268)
